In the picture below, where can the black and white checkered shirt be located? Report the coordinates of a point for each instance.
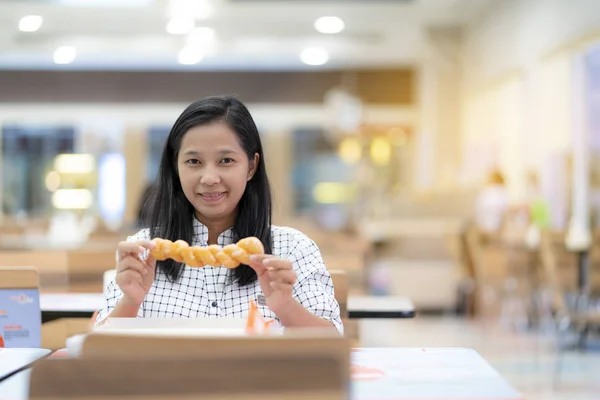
(208, 292)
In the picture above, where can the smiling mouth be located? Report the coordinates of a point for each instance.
(210, 197)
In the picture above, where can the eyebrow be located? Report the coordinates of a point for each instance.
(196, 153)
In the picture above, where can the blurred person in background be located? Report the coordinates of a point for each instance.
(538, 210)
(492, 203)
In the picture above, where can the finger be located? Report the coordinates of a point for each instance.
(133, 248)
(276, 263)
(282, 276)
(130, 263)
(257, 263)
(258, 259)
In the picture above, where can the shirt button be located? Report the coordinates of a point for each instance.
(214, 304)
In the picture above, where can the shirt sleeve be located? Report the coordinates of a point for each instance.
(112, 292)
(314, 286)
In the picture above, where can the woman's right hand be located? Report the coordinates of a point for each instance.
(134, 275)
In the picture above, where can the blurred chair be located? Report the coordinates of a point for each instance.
(292, 366)
(108, 277)
(19, 278)
(573, 310)
(463, 261)
(340, 250)
(340, 285)
(55, 333)
(411, 258)
(502, 284)
(87, 268)
(51, 265)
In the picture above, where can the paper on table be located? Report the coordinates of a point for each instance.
(253, 324)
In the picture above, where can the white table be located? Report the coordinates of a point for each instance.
(13, 360)
(69, 305)
(16, 387)
(380, 307)
(393, 374)
(71, 302)
(425, 373)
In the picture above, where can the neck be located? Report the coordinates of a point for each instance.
(215, 226)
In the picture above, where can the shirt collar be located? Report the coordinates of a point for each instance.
(201, 235)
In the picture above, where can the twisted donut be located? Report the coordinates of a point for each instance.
(229, 256)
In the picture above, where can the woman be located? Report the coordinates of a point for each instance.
(212, 188)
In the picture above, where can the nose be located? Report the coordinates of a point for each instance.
(210, 177)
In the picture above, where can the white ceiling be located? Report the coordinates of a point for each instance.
(250, 34)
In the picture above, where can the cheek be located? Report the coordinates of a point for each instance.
(237, 183)
(187, 182)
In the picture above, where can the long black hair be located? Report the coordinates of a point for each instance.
(170, 215)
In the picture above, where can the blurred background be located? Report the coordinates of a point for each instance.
(447, 151)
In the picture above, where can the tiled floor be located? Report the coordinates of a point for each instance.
(526, 360)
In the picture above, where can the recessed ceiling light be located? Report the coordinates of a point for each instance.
(106, 3)
(329, 25)
(314, 56)
(30, 23)
(189, 56)
(180, 26)
(65, 55)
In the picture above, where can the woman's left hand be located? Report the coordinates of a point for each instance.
(276, 277)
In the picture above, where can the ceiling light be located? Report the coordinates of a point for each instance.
(350, 150)
(106, 3)
(333, 192)
(65, 55)
(314, 56)
(180, 26)
(72, 199)
(381, 151)
(74, 163)
(189, 56)
(329, 25)
(30, 23)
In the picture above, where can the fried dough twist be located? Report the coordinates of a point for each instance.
(230, 256)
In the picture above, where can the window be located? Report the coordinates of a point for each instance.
(27, 156)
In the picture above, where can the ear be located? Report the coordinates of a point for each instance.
(253, 166)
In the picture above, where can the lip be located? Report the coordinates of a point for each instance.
(212, 197)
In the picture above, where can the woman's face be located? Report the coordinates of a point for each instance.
(214, 170)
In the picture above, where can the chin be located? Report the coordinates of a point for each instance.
(214, 212)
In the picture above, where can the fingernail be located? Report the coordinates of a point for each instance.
(141, 249)
(253, 257)
(267, 261)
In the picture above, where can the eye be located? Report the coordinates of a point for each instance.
(227, 160)
(193, 161)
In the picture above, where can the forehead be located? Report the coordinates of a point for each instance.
(213, 136)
